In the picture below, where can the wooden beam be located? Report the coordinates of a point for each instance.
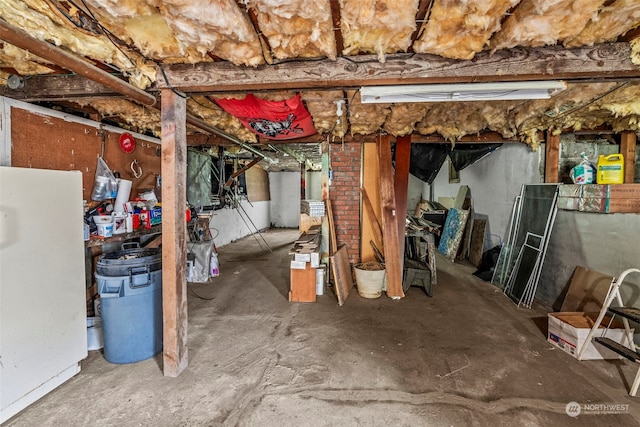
(264, 41)
(206, 140)
(174, 245)
(423, 7)
(630, 35)
(56, 88)
(333, 246)
(69, 61)
(487, 137)
(370, 229)
(628, 150)
(248, 166)
(552, 158)
(608, 60)
(336, 19)
(373, 218)
(477, 138)
(401, 187)
(392, 255)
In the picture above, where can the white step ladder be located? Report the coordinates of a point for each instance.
(627, 314)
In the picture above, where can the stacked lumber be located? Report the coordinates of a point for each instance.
(313, 208)
(308, 242)
(305, 262)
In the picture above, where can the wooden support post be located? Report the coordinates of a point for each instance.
(552, 158)
(628, 150)
(392, 255)
(401, 184)
(174, 245)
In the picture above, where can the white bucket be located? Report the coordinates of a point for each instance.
(104, 223)
(95, 340)
(105, 230)
(370, 279)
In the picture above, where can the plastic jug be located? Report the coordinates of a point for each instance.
(610, 169)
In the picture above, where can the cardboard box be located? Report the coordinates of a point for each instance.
(568, 203)
(623, 205)
(600, 198)
(570, 190)
(592, 204)
(607, 205)
(594, 190)
(568, 331)
(624, 191)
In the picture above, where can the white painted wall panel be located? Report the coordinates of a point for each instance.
(228, 224)
(285, 199)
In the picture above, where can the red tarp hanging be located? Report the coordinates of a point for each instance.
(286, 119)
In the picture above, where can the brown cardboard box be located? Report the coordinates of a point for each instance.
(624, 191)
(623, 205)
(593, 204)
(594, 191)
(608, 205)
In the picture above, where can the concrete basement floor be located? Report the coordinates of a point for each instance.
(467, 356)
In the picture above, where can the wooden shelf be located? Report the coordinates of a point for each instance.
(99, 241)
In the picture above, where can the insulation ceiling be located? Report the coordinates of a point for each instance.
(139, 39)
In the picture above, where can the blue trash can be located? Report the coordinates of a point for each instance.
(131, 307)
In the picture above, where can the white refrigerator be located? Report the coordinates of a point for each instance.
(43, 332)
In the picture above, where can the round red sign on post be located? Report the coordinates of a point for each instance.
(127, 143)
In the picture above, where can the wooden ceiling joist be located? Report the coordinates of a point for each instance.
(54, 88)
(480, 138)
(336, 19)
(518, 64)
(68, 61)
(416, 138)
(421, 16)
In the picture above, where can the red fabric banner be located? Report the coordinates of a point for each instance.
(286, 119)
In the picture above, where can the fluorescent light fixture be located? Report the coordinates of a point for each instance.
(496, 91)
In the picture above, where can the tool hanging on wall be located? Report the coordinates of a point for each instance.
(136, 169)
(103, 140)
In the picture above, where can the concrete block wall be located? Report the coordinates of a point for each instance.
(607, 243)
(345, 196)
(570, 149)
